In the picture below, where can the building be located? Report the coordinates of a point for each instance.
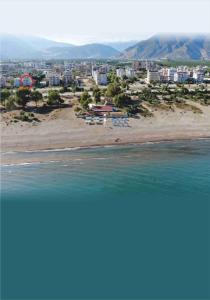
(17, 82)
(120, 72)
(67, 77)
(2, 82)
(99, 77)
(198, 75)
(54, 79)
(152, 76)
(181, 76)
(129, 72)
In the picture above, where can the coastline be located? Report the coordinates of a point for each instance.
(62, 130)
(7, 160)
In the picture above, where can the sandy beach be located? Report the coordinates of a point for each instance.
(61, 129)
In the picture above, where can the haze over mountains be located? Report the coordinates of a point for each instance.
(157, 47)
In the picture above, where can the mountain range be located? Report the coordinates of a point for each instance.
(176, 47)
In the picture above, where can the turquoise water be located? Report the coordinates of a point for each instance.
(128, 222)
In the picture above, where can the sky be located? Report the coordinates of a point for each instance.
(87, 21)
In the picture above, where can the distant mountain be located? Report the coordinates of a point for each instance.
(14, 47)
(39, 43)
(121, 46)
(83, 52)
(174, 47)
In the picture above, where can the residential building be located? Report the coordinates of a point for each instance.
(198, 75)
(129, 72)
(152, 76)
(54, 79)
(181, 76)
(100, 78)
(120, 72)
(17, 82)
(2, 82)
(67, 77)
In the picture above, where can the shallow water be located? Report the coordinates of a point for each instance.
(116, 222)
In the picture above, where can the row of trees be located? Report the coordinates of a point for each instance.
(24, 95)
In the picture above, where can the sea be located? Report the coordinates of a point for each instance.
(118, 222)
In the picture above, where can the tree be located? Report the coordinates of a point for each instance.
(36, 96)
(10, 103)
(121, 100)
(97, 94)
(54, 98)
(4, 94)
(85, 99)
(113, 89)
(23, 96)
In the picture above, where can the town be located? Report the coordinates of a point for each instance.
(101, 89)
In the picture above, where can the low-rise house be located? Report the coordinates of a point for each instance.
(17, 82)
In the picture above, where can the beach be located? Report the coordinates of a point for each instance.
(61, 129)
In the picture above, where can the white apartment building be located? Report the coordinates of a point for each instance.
(129, 72)
(67, 77)
(198, 75)
(100, 78)
(120, 72)
(170, 74)
(181, 76)
(152, 76)
(54, 79)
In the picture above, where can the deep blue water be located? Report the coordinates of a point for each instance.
(128, 222)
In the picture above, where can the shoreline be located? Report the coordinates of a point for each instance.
(8, 161)
(61, 131)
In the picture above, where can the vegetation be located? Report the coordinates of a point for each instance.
(97, 94)
(36, 96)
(85, 99)
(54, 98)
(4, 94)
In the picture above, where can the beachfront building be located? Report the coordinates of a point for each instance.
(120, 72)
(152, 76)
(54, 79)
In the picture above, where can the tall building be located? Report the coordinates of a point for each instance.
(181, 76)
(54, 79)
(129, 72)
(67, 77)
(152, 76)
(120, 72)
(198, 75)
(100, 78)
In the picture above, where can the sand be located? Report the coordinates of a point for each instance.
(61, 129)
